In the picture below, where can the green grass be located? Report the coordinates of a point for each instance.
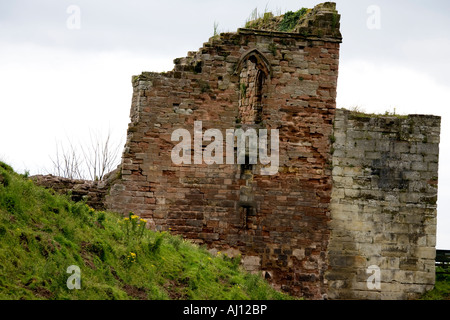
(42, 234)
(290, 19)
(268, 21)
(358, 112)
(441, 290)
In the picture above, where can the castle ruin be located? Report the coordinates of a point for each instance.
(352, 192)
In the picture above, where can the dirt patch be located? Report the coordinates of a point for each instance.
(24, 241)
(42, 292)
(86, 256)
(133, 291)
(175, 290)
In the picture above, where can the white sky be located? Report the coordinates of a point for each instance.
(57, 83)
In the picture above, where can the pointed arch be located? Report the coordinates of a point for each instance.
(261, 61)
(254, 70)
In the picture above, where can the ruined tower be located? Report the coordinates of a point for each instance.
(278, 73)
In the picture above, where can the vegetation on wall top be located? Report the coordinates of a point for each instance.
(269, 22)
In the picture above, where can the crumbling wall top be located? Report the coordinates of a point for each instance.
(323, 21)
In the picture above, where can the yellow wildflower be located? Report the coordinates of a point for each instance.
(132, 257)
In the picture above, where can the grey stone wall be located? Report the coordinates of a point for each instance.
(383, 208)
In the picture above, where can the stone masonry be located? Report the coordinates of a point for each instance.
(92, 192)
(352, 191)
(251, 78)
(383, 207)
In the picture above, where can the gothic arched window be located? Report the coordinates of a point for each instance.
(253, 70)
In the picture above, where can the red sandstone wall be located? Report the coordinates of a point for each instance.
(284, 230)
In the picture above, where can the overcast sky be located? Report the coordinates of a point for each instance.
(61, 76)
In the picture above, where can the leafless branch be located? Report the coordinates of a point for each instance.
(90, 161)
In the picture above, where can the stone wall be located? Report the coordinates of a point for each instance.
(92, 192)
(383, 207)
(260, 79)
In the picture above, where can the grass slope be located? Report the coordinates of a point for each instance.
(441, 290)
(42, 234)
